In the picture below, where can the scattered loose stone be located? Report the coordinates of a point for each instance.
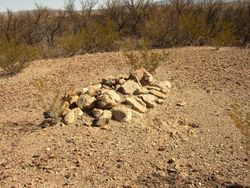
(122, 114)
(159, 101)
(136, 104)
(130, 86)
(85, 101)
(181, 103)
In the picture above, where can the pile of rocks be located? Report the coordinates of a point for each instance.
(119, 99)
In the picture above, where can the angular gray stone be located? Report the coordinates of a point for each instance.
(104, 118)
(122, 113)
(149, 100)
(109, 81)
(158, 94)
(136, 104)
(86, 101)
(130, 86)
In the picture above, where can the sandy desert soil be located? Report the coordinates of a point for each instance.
(195, 145)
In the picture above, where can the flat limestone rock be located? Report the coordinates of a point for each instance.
(149, 100)
(158, 94)
(130, 86)
(136, 104)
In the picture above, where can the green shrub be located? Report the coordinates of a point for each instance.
(15, 57)
(98, 37)
(103, 36)
(72, 44)
(144, 58)
(224, 34)
(194, 28)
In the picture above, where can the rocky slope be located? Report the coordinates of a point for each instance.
(188, 141)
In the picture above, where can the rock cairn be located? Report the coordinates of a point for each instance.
(119, 99)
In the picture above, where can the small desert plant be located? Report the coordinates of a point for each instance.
(145, 58)
(15, 57)
(50, 89)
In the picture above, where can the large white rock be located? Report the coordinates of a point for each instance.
(136, 104)
(122, 113)
(130, 86)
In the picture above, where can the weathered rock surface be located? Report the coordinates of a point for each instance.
(149, 100)
(136, 104)
(86, 101)
(109, 81)
(73, 99)
(158, 94)
(70, 117)
(97, 112)
(130, 86)
(104, 118)
(105, 101)
(141, 90)
(93, 90)
(122, 113)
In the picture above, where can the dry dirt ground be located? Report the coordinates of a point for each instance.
(195, 145)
